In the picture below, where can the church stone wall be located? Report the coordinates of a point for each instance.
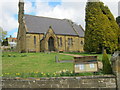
(81, 43)
(30, 46)
(63, 46)
(21, 38)
(42, 44)
(72, 48)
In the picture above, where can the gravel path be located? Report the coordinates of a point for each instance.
(71, 55)
(68, 61)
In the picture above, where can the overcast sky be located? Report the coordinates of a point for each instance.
(69, 9)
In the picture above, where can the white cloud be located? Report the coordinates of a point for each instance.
(67, 10)
(8, 9)
(28, 7)
(70, 9)
(9, 23)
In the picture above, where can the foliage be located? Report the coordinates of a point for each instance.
(5, 42)
(118, 21)
(4, 33)
(61, 73)
(9, 55)
(101, 28)
(106, 64)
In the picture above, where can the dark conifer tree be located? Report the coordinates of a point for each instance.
(118, 22)
(101, 28)
(113, 33)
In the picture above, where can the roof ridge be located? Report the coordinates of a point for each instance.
(43, 17)
(73, 27)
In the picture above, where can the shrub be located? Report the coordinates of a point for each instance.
(3, 55)
(9, 55)
(106, 64)
(14, 55)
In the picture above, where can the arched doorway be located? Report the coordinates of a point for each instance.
(51, 44)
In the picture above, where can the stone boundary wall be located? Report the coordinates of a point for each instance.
(106, 81)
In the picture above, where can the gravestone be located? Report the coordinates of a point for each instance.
(56, 59)
(116, 67)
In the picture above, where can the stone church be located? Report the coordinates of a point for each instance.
(40, 34)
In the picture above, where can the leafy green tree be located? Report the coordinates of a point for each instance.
(114, 31)
(107, 69)
(91, 20)
(5, 42)
(3, 34)
(101, 28)
(118, 21)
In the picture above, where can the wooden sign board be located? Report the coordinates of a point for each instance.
(85, 64)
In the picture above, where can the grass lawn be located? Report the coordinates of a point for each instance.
(34, 62)
(13, 62)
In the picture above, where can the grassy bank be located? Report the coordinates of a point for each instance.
(33, 64)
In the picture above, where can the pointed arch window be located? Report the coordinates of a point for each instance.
(58, 41)
(70, 41)
(61, 41)
(81, 43)
(34, 40)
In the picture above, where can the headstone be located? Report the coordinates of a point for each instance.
(56, 59)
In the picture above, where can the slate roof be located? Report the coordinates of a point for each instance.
(79, 30)
(37, 24)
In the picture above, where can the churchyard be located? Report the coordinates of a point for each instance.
(39, 64)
